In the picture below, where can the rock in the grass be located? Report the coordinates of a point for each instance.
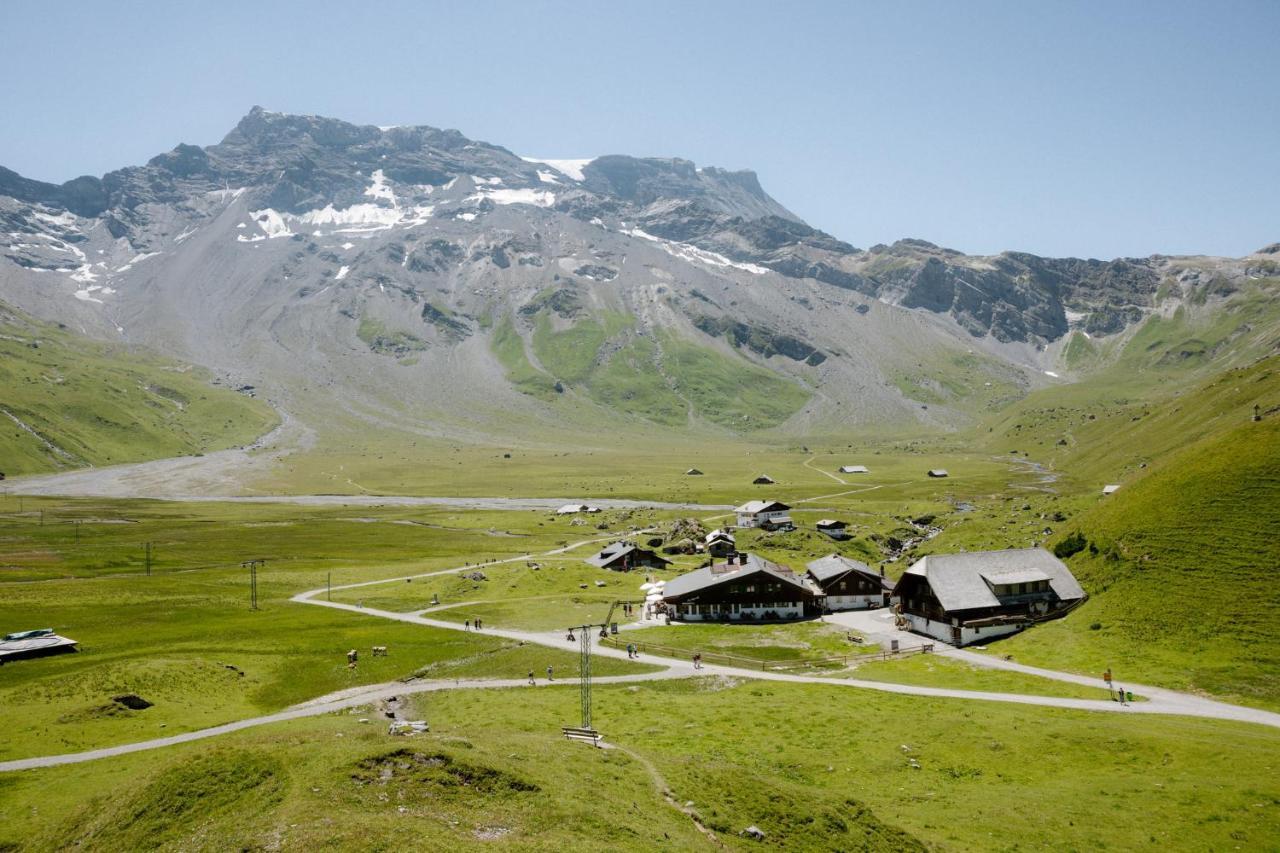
(754, 831)
(475, 576)
(132, 701)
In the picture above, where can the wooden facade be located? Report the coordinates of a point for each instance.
(743, 588)
(978, 596)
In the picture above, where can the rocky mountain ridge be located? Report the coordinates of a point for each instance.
(303, 252)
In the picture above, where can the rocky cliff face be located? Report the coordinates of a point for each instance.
(396, 266)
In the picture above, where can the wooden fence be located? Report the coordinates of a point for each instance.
(837, 661)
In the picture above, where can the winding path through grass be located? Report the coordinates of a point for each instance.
(1160, 700)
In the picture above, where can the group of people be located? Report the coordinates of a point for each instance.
(550, 672)
(1117, 692)
(478, 624)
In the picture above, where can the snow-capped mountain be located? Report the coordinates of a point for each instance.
(413, 276)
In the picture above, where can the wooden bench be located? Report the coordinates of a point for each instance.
(590, 736)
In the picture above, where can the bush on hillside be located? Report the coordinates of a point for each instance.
(1073, 544)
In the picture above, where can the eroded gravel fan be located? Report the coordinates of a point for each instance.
(411, 277)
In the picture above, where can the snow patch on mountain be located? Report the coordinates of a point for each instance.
(87, 294)
(686, 252)
(271, 223)
(342, 273)
(569, 168)
(84, 275)
(357, 220)
(357, 217)
(62, 220)
(538, 198)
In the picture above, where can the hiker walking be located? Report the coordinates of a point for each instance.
(468, 624)
(697, 660)
(1120, 694)
(477, 624)
(531, 681)
(549, 678)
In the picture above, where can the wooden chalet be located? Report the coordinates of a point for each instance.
(853, 469)
(766, 514)
(849, 584)
(720, 543)
(742, 588)
(624, 556)
(833, 528)
(938, 472)
(978, 596)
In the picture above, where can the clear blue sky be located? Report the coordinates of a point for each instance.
(1090, 129)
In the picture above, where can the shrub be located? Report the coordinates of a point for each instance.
(1073, 544)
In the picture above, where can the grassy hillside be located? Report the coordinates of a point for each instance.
(78, 567)
(67, 401)
(659, 378)
(911, 774)
(1181, 568)
(1109, 427)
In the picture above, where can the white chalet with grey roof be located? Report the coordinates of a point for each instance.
(978, 596)
(763, 514)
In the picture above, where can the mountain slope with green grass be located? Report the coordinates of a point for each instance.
(68, 401)
(656, 376)
(1181, 570)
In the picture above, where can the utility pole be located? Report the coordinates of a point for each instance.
(252, 566)
(148, 558)
(584, 633)
(584, 654)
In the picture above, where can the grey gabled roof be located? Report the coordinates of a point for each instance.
(753, 507)
(1015, 576)
(834, 565)
(705, 578)
(612, 553)
(32, 642)
(957, 579)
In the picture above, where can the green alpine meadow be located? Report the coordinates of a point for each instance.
(839, 427)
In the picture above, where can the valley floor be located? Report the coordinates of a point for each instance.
(230, 683)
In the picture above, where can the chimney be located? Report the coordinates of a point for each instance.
(882, 570)
(742, 558)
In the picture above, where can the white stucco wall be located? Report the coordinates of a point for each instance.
(968, 636)
(853, 602)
